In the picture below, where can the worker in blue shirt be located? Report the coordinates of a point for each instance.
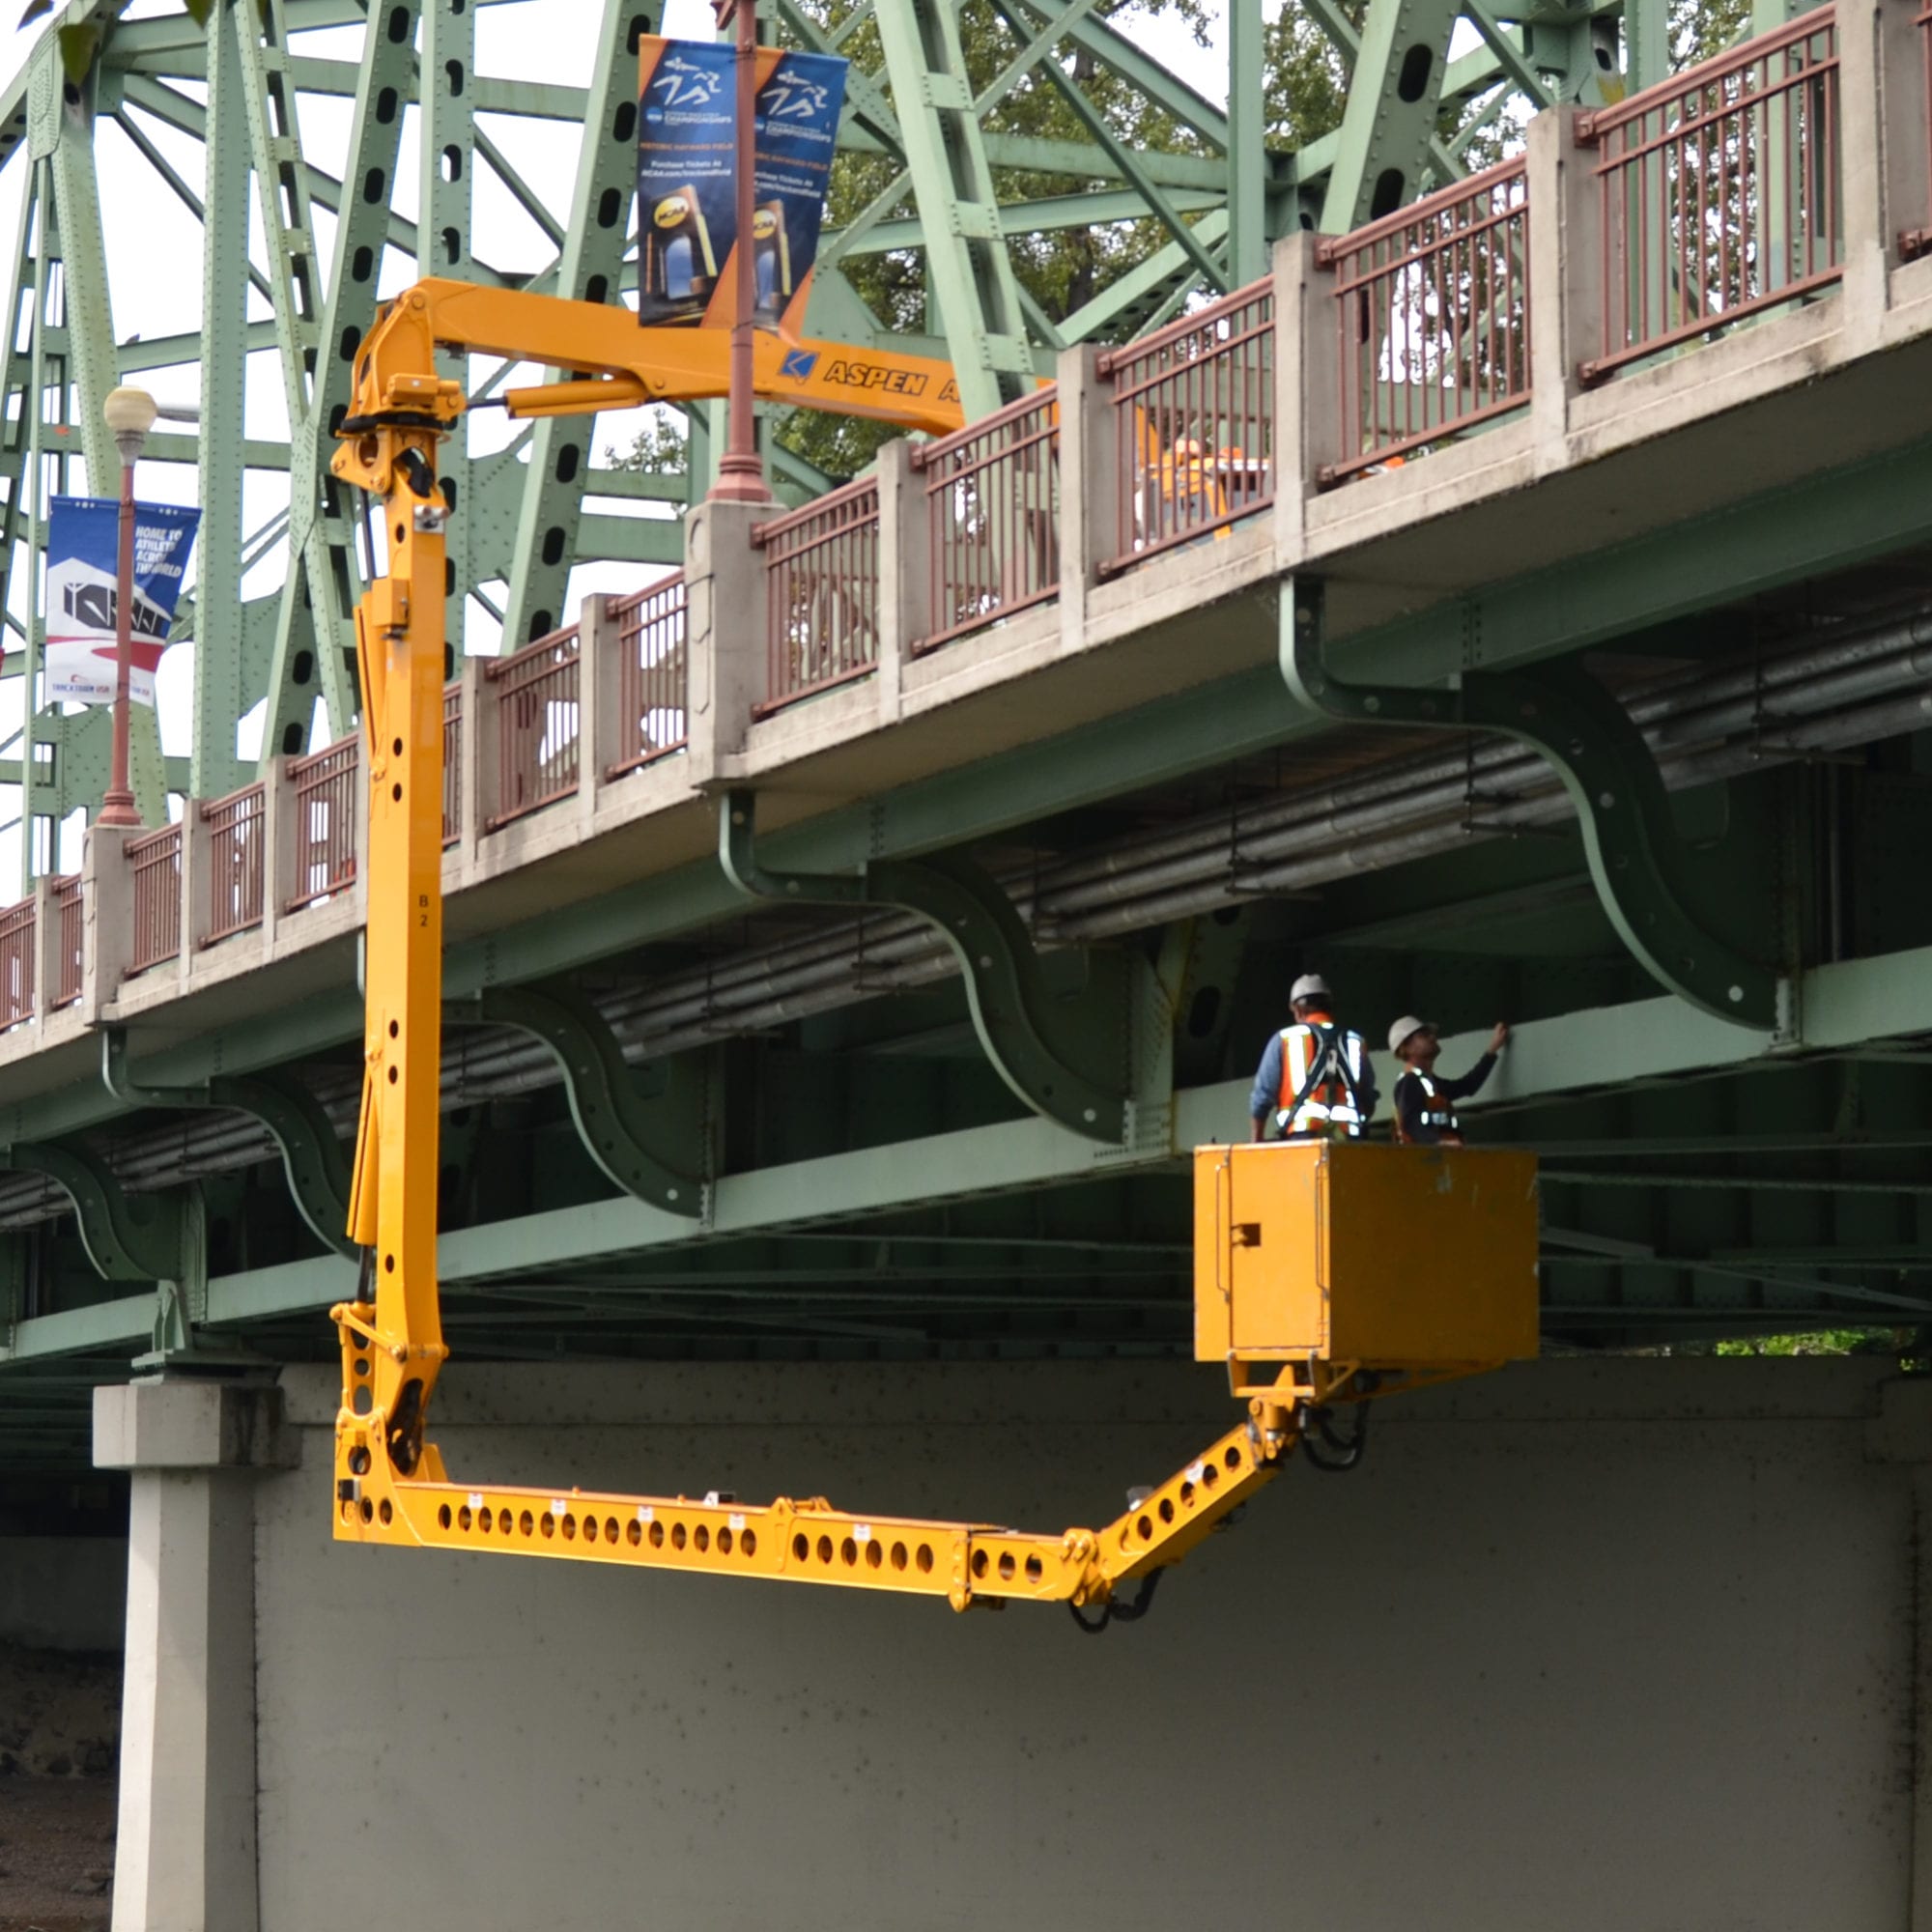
(1425, 1111)
(1313, 1082)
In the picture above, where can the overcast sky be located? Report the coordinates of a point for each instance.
(153, 254)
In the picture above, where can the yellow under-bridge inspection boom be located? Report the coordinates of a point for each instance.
(1323, 1272)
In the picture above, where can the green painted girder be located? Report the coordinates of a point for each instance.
(127, 1236)
(1127, 162)
(1119, 54)
(1393, 104)
(1589, 741)
(448, 140)
(1612, 1047)
(313, 1162)
(1044, 1053)
(587, 269)
(655, 1147)
(968, 265)
(1247, 156)
(175, 109)
(316, 623)
(1049, 214)
(221, 695)
(1346, 154)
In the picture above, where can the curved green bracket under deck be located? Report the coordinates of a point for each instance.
(1019, 1024)
(1600, 756)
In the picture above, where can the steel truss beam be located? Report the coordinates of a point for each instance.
(222, 690)
(314, 626)
(643, 1145)
(587, 269)
(1053, 1057)
(968, 265)
(1588, 740)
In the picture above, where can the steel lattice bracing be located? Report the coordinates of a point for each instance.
(944, 106)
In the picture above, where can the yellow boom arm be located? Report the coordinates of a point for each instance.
(1263, 1299)
(622, 364)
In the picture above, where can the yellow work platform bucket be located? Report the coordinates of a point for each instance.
(1421, 1259)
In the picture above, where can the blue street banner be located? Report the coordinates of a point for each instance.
(687, 180)
(797, 125)
(84, 556)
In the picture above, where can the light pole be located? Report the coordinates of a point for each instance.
(130, 414)
(741, 476)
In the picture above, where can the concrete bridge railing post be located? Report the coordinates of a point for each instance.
(476, 755)
(47, 950)
(1566, 274)
(1307, 388)
(278, 848)
(905, 571)
(599, 699)
(1090, 485)
(1886, 190)
(197, 858)
(727, 585)
(107, 913)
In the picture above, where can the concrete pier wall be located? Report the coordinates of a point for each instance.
(1615, 1648)
(62, 1592)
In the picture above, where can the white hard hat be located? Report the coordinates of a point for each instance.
(1401, 1029)
(1311, 985)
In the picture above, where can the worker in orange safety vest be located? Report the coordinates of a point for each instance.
(1424, 1101)
(1314, 1081)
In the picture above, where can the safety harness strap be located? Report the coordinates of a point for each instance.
(1328, 1065)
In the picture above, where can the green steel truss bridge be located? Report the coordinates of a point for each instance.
(1508, 591)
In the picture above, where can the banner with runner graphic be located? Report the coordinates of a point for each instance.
(83, 554)
(687, 180)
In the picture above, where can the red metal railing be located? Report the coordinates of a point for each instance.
(653, 674)
(323, 788)
(992, 506)
(822, 591)
(70, 913)
(1432, 314)
(236, 830)
(539, 723)
(1194, 424)
(155, 861)
(452, 762)
(1721, 191)
(17, 946)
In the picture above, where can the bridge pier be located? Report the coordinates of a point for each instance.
(1603, 1645)
(185, 1856)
